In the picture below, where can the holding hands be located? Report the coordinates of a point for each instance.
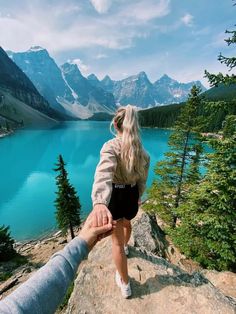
(101, 215)
(98, 225)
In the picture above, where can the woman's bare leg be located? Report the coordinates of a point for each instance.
(118, 253)
(127, 230)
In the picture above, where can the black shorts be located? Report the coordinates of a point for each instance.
(124, 201)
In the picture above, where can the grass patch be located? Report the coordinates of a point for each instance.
(19, 260)
(67, 296)
(5, 276)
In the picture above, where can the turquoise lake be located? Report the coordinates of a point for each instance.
(27, 159)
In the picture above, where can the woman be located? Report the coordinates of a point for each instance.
(119, 183)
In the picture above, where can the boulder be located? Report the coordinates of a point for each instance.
(148, 235)
(157, 285)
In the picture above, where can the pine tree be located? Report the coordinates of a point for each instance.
(230, 62)
(208, 217)
(7, 126)
(6, 244)
(67, 202)
(181, 162)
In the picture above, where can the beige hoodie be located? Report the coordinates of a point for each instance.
(109, 170)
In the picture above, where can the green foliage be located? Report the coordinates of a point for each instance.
(206, 207)
(19, 260)
(67, 202)
(161, 117)
(5, 276)
(229, 125)
(216, 104)
(6, 244)
(179, 170)
(230, 62)
(208, 217)
(67, 296)
(216, 113)
(207, 231)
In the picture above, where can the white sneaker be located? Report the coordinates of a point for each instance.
(125, 289)
(126, 249)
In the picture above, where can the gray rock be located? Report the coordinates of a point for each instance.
(62, 241)
(148, 235)
(157, 287)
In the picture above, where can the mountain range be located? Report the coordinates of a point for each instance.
(64, 87)
(68, 91)
(34, 89)
(20, 101)
(138, 90)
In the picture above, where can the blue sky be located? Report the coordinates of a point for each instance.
(123, 37)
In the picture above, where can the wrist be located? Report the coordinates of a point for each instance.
(96, 205)
(88, 239)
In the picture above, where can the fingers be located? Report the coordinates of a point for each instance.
(94, 222)
(102, 229)
(99, 218)
(101, 215)
(104, 219)
(109, 217)
(107, 234)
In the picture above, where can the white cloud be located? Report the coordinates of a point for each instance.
(73, 27)
(101, 6)
(101, 56)
(146, 10)
(187, 19)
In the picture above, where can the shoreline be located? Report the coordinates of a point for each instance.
(44, 236)
(4, 134)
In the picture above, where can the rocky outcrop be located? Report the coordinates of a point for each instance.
(148, 235)
(158, 286)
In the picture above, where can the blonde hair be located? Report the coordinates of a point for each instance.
(132, 154)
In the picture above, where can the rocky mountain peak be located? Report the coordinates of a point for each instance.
(36, 49)
(166, 79)
(142, 75)
(71, 67)
(37, 52)
(92, 77)
(107, 79)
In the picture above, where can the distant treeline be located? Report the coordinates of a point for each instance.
(161, 117)
(165, 116)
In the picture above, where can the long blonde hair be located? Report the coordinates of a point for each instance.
(132, 153)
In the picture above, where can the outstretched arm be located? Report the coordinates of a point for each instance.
(44, 291)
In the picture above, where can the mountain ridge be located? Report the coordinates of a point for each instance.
(15, 85)
(84, 96)
(65, 88)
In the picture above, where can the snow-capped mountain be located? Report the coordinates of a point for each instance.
(42, 70)
(20, 100)
(171, 91)
(88, 95)
(65, 88)
(138, 90)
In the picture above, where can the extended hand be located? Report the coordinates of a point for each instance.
(101, 216)
(91, 234)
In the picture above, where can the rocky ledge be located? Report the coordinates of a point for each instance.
(158, 286)
(162, 279)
